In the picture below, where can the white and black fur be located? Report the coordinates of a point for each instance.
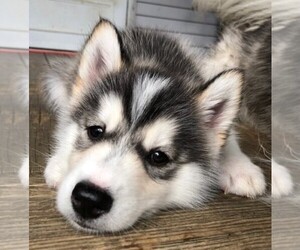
(144, 125)
(246, 43)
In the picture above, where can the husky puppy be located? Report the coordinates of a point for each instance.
(144, 125)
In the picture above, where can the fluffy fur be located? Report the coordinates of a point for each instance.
(246, 43)
(164, 119)
(245, 15)
(283, 14)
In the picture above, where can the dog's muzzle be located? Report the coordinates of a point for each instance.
(90, 201)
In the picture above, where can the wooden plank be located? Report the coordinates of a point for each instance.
(131, 13)
(13, 116)
(222, 224)
(14, 221)
(14, 217)
(14, 39)
(173, 3)
(75, 17)
(70, 21)
(14, 15)
(172, 13)
(176, 26)
(55, 40)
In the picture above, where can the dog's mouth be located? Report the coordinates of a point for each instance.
(83, 225)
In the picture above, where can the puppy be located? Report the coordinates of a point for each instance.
(144, 124)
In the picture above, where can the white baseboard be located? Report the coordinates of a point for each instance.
(65, 24)
(14, 39)
(54, 40)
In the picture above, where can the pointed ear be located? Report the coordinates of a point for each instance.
(219, 101)
(101, 53)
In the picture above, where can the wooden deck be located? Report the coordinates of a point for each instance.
(228, 222)
(14, 118)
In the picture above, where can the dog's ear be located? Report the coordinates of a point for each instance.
(101, 53)
(219, 102)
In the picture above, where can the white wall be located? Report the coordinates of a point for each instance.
(65, 24)
(176, 17)
(14, 23)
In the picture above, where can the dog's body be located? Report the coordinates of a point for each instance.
(285, 96)
(144, 125)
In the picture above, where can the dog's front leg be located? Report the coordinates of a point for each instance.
(58, 163)
(238, 175)
(55, 170)
(24, 172)
(282, 182)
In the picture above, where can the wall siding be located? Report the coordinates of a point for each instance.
(177, 18)
(70, 21)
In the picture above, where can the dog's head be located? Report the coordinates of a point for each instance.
(137, 138)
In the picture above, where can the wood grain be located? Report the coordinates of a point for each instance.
(14, 219)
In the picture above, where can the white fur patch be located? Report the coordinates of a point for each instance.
(238, 174)
(24, 172)
(143, 93)
(282, 183)
(102, 53)
(226, 88)
(58, 164)
(57, 95)
(159, 134)
(111, 112)
(190, 187)
(224, 56)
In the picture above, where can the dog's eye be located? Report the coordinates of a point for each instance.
(158, 158)
(95, 132)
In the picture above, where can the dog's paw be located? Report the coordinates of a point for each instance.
(242, 177)
(282, 183)
(24, 172)
(54, 172)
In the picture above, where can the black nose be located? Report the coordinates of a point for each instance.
(90, 201)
